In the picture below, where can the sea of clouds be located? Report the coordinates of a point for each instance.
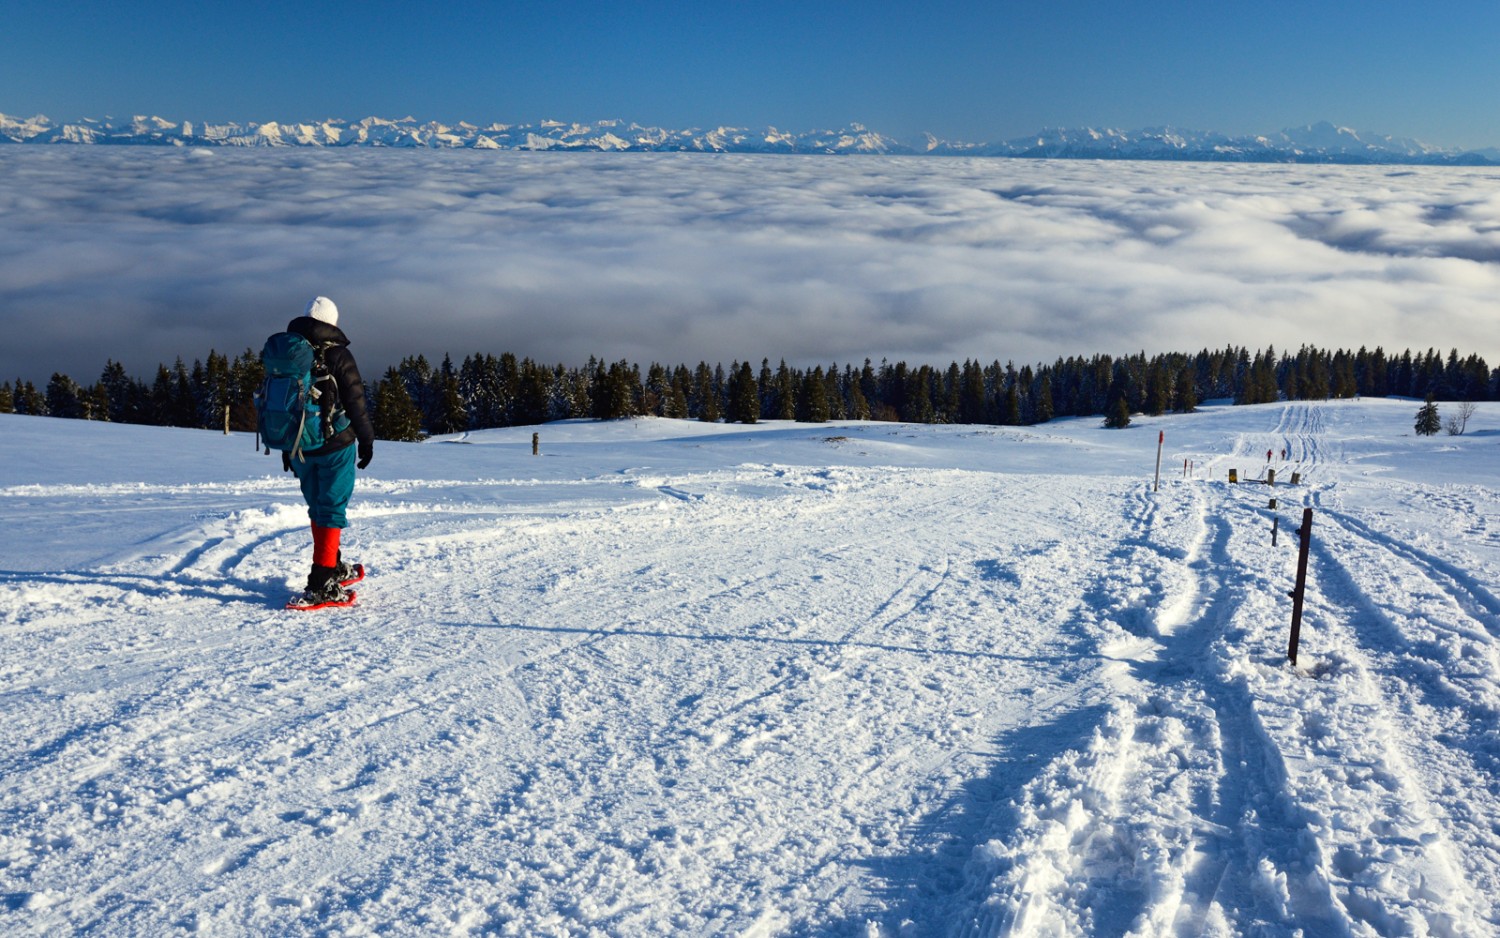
(145, 254)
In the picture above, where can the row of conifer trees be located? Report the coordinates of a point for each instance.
(415, 398)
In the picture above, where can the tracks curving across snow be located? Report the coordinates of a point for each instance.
(670, 689)
(1174, 818)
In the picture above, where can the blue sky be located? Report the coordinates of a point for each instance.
(961, 69)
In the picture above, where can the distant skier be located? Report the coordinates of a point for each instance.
(327, 472)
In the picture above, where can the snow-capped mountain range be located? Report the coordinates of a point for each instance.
(1313, 143)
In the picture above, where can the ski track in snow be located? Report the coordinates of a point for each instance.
(749, 698)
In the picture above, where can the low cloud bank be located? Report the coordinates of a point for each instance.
(144, 255)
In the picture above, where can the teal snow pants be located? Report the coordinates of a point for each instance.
(327, 482)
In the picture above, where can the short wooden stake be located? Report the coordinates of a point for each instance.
(1234, 476)
(1275, 526)
(1296, 477)
(1304, 533)
(536, 443)
(1271, 477)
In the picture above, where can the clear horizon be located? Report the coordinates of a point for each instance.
(54, 120)
(960, 69)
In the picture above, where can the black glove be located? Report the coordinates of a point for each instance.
(286, 461)
(366, 453)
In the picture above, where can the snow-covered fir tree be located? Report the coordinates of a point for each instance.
(1428, 421)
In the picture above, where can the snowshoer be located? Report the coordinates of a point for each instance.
(327, 472)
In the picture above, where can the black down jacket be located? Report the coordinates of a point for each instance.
(344, 373)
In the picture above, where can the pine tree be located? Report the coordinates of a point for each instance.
(917, 399)
(1042, 409)
(785, 393)
(615, 390)
(1118, 416)
(184, 405)
(705, 400)
(858, 407)
(572, 398)
(676, 406)
(533, 395)
(396, 417)
(452, 416)
(417, 376)
(1010, 406)
(833, 393)
(1186, 391)
(64, 397)
(744, 395)
(1428, 422)
(813, 399)
(654, 392)
(1158, 391)
(96, 404)
(245, 376)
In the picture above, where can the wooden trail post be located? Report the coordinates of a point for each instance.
(1161, 437)
(536, 443)
(1305, 534)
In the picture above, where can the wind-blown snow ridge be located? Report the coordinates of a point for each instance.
(1316, 143)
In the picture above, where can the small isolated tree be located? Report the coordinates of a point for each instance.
(1428, 422)
(1119, 415)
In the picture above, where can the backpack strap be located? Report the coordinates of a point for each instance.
(320, 372)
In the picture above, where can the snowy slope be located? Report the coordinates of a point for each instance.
(671, 678)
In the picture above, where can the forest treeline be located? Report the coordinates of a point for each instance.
(416, 398)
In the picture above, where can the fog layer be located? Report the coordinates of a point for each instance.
(142, 255)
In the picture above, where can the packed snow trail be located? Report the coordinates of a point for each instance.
(675, 679)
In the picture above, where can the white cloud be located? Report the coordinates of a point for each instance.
(145, 254)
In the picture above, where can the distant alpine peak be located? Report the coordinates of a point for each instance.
(1321, 142)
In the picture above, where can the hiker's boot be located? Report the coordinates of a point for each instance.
(323, 589)
(348, 573)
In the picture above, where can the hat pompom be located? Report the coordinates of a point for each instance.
(322, 309)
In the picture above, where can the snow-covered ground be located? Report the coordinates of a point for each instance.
(671, 678)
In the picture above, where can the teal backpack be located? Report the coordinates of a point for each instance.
(290, 415)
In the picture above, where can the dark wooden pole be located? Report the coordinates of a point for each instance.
(1161, 437)
(1305, 534)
